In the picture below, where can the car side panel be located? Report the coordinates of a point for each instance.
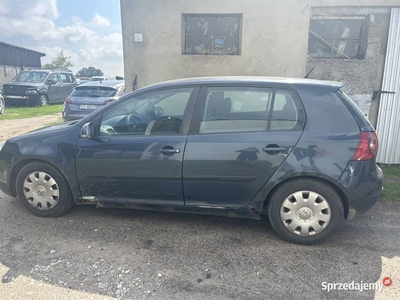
(326, 147)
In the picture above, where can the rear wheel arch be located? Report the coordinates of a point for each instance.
(335, 187)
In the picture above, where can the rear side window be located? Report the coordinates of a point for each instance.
(94, 92)
(241, 109)
(287, 113)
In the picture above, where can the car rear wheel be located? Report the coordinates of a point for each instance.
(43, 190)
(305, 211)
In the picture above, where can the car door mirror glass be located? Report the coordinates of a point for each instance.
(87, 131)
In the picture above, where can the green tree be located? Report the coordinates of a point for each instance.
(89, 72)
(61, 62)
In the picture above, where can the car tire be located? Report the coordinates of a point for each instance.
(2, 105)
(43, 190)
(305, 211)
(43, 100)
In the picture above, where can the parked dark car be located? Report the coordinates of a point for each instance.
(2, 104)
(39, 87)
(90, 96)
(297, 150)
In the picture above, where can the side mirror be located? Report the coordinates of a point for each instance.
(87, 131)
(50, 81)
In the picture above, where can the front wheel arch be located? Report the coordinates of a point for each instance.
(17, 168)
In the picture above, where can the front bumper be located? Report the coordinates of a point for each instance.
(361, 182)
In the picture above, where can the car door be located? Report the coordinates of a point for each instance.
(68, 84)
(54, 91)
(238, 138)
(138, 150)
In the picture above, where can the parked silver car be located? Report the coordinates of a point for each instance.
(39, 87)
(90, 96)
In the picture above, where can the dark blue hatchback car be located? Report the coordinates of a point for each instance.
(297, 150)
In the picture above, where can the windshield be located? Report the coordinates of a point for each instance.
(30, 76)
(94, 92)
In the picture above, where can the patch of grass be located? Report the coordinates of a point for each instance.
(12, 113)
(391, 182)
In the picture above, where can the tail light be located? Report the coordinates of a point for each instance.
(107, 101)
(367, 147)
(67, 101)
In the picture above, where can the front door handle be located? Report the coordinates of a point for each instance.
(169, 150)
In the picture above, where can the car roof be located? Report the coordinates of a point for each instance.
(107, 83)
(47, 70)
(247, 80)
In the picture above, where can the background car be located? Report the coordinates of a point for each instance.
(104, 78)
(2, 104)
(297, 150)
(39, 87)
(89, 96)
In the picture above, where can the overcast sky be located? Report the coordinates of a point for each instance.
(87, 30)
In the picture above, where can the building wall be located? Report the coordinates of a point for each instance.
(360, 77)
(267, 26)
(7, 73)
(274, 42)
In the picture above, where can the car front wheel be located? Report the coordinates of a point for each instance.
(305, 211)
(43, 190)
(43, 100)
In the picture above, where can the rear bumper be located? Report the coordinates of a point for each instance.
(361, 183)
(73, 113)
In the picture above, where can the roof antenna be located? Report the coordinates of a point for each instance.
(312, 69)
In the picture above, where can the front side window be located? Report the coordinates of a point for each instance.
(155, 113)
(53, 77)
(337, 39)
(212, 34)
(241, 109)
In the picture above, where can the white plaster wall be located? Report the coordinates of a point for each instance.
(7, 73)
(274, 39)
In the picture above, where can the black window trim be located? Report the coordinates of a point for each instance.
(183, 31)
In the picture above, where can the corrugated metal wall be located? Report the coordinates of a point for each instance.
(13, 56)
(388, 127)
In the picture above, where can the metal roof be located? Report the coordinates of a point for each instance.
(22, 48)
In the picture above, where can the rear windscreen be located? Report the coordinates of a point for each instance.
(94, 92)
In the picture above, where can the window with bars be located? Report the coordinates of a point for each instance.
(214, 34)
(342, 39)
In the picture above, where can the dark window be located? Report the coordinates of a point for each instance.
(239, 109)
(337, 39)
(212, 34)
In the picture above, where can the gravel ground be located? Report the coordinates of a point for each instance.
(10, 128)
